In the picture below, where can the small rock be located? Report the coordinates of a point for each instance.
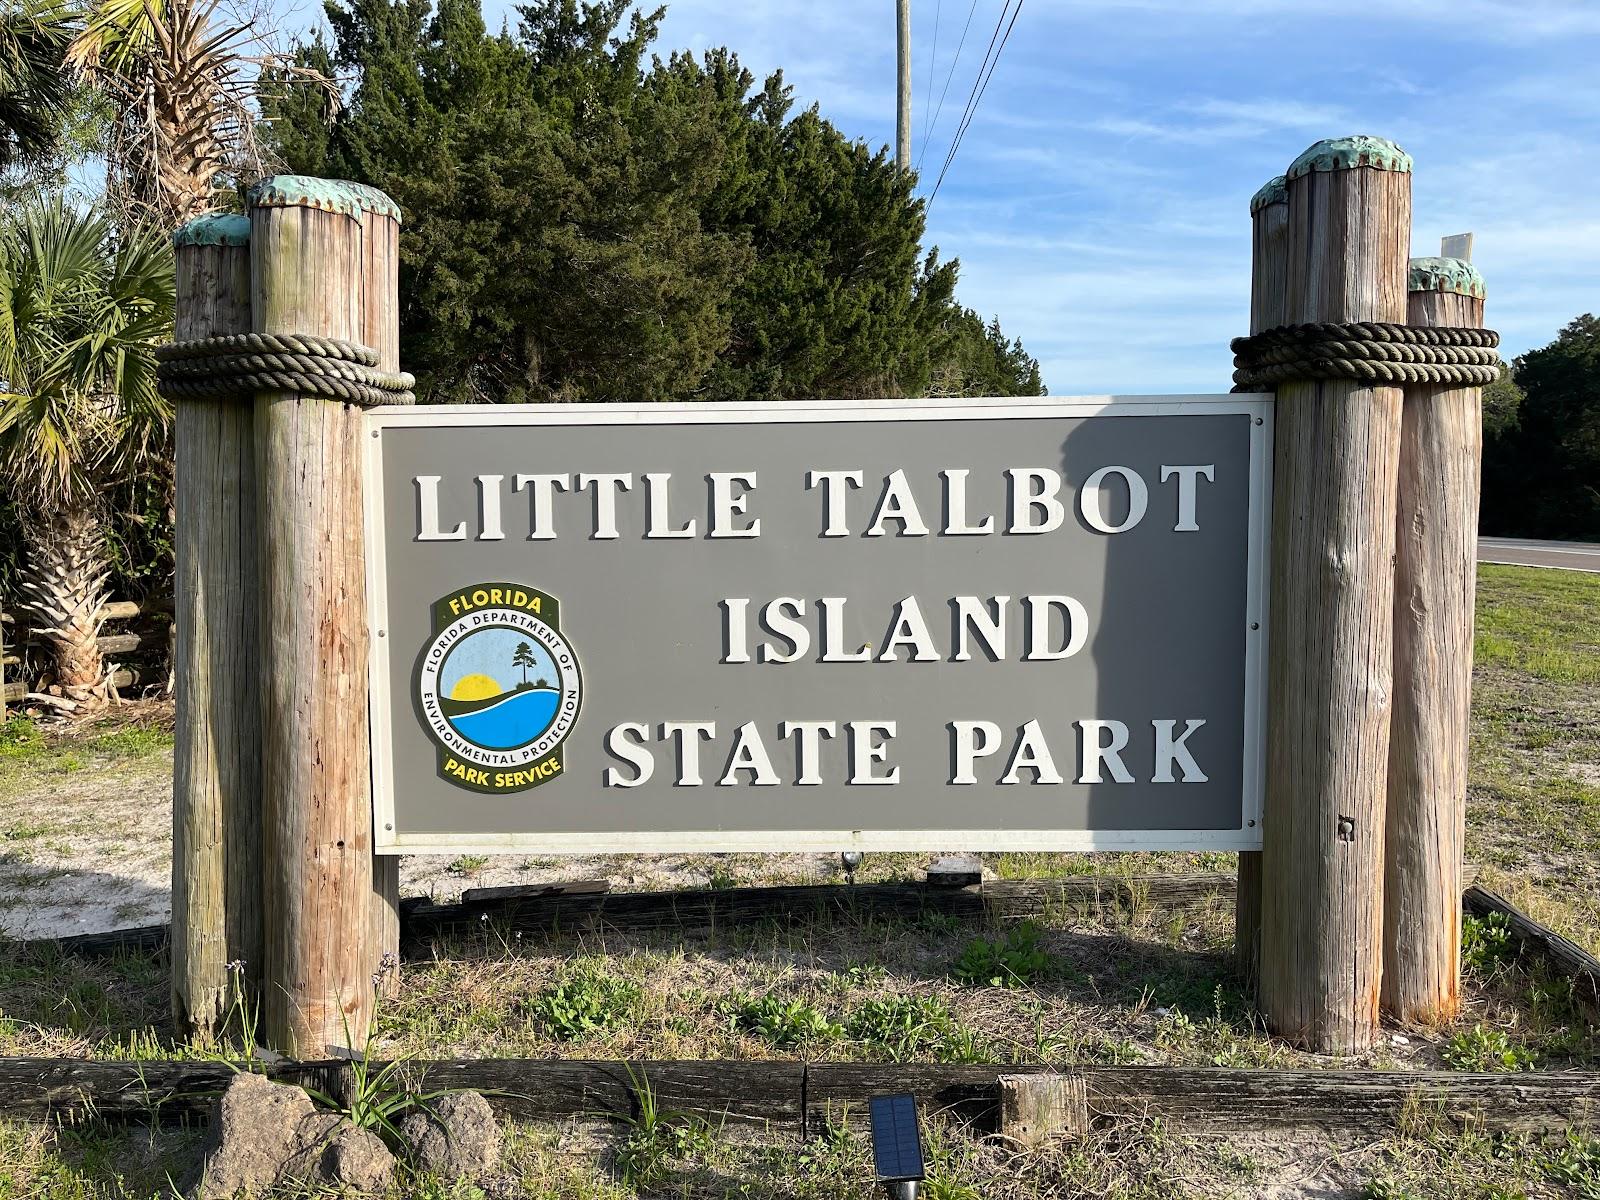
(248, 1141)
(1160, 1012)
(460, 1138)
(1399, 1039)
(331, 1153)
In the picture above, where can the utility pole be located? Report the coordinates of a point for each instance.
(902, 133)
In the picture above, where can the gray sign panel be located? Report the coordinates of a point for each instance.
(985, 624)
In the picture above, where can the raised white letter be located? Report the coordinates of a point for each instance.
(898, 504)
(1094, 755)
(835, 485)
(1075, 616)
(808, 736)
(969, 749)
(1186, 490)
(749, 754)
(863, 753)
(782, 617)
(832, 620)
(658, 524)
(1042, 484)
(428, 513)
(955, 505)
(973, 614)
(606, 487)
(724, 504)
(688, 734)
(907, 628)
(637, 757)
(1092, 507)
(489, 509)
(543, 487)
(1032, 753)
(736, 640)
(1170, 749)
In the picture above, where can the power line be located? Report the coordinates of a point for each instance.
(977, 99)
(945, 91)
(933, 58)
(977, 81)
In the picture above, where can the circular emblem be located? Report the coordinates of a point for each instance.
(499, 688)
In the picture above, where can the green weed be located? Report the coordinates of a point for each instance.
(1481, 1049)
(587, 1000)
(782, 1023)
(657, 1136)
(1010, 961)
(900, 1027)
(1486, 943)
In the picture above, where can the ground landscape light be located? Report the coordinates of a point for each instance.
(897, 1145)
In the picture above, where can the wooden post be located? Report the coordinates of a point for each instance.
(1269, 277)
(1435, 581)
(1332, 596)
(309, 252)
(380, 329)
(216, 776)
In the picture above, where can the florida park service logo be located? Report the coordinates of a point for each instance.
(498, 687)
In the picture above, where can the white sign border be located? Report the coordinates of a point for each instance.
(385, 840)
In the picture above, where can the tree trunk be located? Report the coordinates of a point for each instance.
(63, 592)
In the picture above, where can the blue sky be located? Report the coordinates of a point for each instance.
(1098, 203)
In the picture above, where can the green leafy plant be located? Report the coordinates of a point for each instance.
(656, 1136)
(1009, 961)
(1486, 943)
(901, 1026)
(586, 1001)
(782, 1023)
(1481, 1049)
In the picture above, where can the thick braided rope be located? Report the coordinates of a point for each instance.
(1378, 352)
(236, 366)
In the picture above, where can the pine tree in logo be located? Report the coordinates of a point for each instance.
(523, 657)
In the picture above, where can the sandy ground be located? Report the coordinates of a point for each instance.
(91, 850)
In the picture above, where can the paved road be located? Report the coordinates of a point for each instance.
(1568, 556)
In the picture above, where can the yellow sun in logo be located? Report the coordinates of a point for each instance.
(475, 687)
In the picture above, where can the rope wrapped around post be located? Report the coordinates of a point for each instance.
(1378, 352)
(236, 366)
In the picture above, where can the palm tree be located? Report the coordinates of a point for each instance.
(34, 84)
(177, 73)
(523, 657)
(81, 309)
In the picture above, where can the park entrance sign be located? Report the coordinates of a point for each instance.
(858, 625)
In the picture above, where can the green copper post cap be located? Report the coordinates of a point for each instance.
(1273, 191)
(330, 195)
(214, 229)
(1342, 154)
(1445, 275)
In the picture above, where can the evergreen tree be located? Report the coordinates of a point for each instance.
(584, 224)
(1542, 473)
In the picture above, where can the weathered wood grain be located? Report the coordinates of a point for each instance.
(799, 1097)
(1269, 281)
(1435, 589)
(1332, 594)
(216, 786)
(380, 329)
(317, 993)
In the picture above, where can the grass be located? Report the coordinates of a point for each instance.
(1081, 985)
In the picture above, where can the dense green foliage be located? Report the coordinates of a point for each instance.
(587, 222)
(1541, 469)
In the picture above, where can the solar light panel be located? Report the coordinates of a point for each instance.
(896, 1140)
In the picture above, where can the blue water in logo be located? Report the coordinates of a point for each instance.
(515, 721)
